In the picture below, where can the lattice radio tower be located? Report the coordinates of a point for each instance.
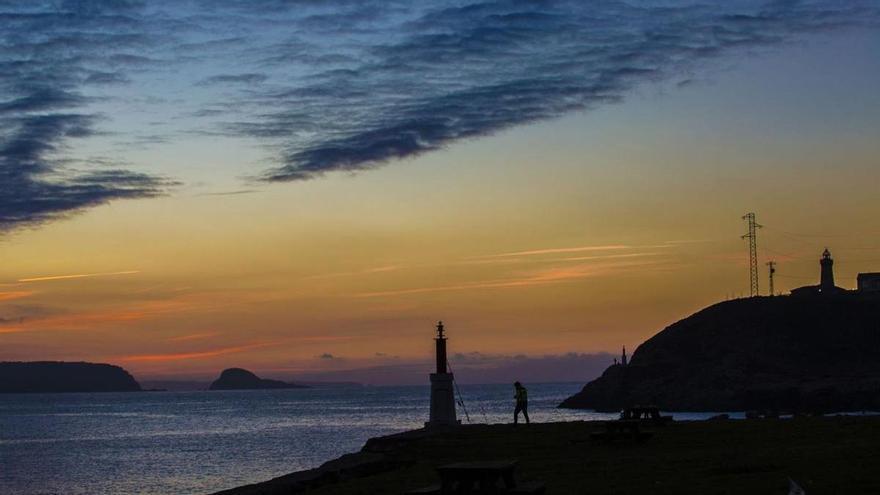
(752, 236)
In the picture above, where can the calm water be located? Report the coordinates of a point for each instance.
(199, 442)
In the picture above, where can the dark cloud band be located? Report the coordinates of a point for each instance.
(338, 85)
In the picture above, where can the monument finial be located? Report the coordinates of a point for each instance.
(440, 330)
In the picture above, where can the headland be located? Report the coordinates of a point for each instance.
(823, 454)
(60, 377)
(814, 354)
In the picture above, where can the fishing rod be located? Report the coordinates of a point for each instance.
(458, 391)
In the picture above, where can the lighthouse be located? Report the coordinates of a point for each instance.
(442, 397)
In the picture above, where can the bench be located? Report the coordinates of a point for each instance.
(481, 477)
(645, 413)
(425, 490)
(528, 488)
(622, 428)
(521, 488)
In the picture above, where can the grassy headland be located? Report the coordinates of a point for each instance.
(823, 454)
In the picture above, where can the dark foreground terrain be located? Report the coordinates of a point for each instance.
(824, 455)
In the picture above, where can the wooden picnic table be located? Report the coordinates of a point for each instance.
(645, 413)
(477, 477)
(623, 426)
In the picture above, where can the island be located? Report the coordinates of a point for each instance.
(242, 379)
(58, 376)
(798, 353)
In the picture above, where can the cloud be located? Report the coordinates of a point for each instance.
(571, 367)
(337, 85)
(15, 315)
(458, 72)
(193, 336)
(475, 367)
(251, 78)
(81, 275)
(18, 294)
(46, 58)
(611, 247)
(547, 276)
(179, 356)
(33, 187)
(236, 192)
(366, 271)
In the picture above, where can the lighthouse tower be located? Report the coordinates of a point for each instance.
(442, 397)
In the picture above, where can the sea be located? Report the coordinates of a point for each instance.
(204, 441)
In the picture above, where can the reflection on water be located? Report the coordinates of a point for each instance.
(198, 442)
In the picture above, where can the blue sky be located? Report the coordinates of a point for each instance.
(320, 87)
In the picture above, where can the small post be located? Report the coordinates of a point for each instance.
(772, 265)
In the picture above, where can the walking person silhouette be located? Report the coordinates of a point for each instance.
(522, 403)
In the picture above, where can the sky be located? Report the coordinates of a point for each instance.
(304, 188)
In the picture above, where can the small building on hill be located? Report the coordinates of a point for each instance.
(869, 282)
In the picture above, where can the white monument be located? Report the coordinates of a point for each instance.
(442, 393)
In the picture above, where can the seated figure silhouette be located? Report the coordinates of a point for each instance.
(522, 403)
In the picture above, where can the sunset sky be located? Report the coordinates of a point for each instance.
(304, 188)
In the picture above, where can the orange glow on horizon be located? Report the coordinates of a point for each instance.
(9, 296)
(82, 275)
(192, 355)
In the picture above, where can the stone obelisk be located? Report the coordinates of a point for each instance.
(442, 396)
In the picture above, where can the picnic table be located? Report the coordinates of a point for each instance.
(631, 426)
(622, 428)
(476, 477)
(645, 413)
(480, 477)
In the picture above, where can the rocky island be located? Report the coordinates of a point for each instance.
(56, 376)
(242, 379)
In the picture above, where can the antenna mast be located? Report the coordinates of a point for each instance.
(752, 236)
(772, 265)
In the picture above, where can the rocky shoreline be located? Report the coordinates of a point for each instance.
(378, 455)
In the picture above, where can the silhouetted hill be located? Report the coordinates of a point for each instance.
(783, 353)
(53, 376)
(240, 379)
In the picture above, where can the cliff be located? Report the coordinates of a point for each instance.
(818, 354)
(241, 379)
(51, 376)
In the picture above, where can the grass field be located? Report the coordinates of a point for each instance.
(824, 455)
